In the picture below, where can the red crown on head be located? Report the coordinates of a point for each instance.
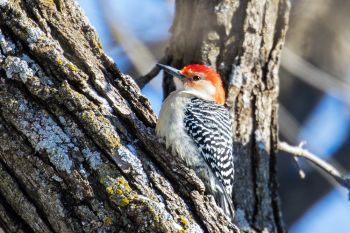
(210, 75)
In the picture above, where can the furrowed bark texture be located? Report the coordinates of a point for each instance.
(242, 40)
(78, 151)
(77, 146)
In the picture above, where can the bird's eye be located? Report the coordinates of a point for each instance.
(196, 78)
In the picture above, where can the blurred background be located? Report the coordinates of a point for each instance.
(314, 93)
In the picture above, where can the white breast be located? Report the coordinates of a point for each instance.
(170, 126)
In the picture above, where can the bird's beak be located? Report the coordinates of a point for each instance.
(172, 71)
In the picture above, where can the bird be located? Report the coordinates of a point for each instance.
(197, 127)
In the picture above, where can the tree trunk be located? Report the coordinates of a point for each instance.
(243, 41)
(78, 151)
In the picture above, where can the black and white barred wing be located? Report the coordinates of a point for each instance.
(209, 125)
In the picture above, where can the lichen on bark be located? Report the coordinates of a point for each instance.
(65, 101)
(77, 141)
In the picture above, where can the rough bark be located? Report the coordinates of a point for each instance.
(78, 151)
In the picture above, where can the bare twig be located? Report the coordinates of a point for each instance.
(137, 51)
(296, 159)
(289, 128)
(298, 151)
(143, 80)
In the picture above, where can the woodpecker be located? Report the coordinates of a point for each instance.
(197, 127)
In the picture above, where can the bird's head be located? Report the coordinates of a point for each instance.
(198, 80)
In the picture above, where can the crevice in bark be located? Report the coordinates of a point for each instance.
(275, 196)
(254, 167)
(69, 203)
(15, 219)
(21, 186)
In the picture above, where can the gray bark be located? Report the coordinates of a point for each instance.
(78, 151)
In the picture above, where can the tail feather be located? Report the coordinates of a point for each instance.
(225, 202)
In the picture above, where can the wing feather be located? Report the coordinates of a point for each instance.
(209, 125)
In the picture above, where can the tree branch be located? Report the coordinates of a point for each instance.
(298, 151)
(143, 80)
